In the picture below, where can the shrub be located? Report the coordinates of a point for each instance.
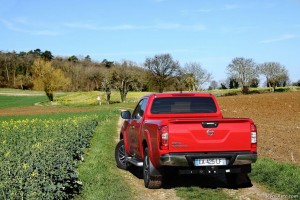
(38, 158)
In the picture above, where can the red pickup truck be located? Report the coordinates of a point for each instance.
(187, 132)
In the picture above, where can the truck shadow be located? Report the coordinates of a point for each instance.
(174, 180)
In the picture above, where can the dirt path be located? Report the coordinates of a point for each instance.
(137, 184)
(256, 192)
(134, 179)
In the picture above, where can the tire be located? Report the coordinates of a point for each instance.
(121, 155)
(150, 181)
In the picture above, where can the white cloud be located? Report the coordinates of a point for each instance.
(23, 26)
(159, 26)
(230, 7)
(278, 39)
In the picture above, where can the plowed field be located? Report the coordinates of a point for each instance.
(277, 116)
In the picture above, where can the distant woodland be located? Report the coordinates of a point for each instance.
(40, 70)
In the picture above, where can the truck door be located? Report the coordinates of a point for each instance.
(135, 126)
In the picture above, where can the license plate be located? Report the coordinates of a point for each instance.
(210, 162)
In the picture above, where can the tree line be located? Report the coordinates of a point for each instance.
(41, 70)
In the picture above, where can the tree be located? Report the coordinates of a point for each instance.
(297, 83)
(47, 55)
(275, 74)
(123, 78)
(163, 68)
(244, 71)
(254, 83)
(73, 59)
(47, 78)
(233, 84)
(196, 76)
(9, 63)
(107, 64)
(213, 85)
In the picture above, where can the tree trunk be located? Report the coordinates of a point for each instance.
(49, 95)
(245, 90)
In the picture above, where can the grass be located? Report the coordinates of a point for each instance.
(279, 177)
(90, 98)
(190, 193)
(99, 171)
(20, 101)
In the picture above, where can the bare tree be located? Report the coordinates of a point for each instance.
(213, 85)
(244, 71)
(196, 75)
(162, 67)
(274, 73)
(123, 77)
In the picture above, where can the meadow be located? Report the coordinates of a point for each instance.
(94, 170)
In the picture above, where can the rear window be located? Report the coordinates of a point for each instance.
(176, 105)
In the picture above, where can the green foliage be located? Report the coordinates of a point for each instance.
(279, 177)
(47, 78)
(38, 158)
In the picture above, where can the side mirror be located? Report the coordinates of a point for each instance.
(126, 114)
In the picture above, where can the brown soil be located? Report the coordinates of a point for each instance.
(277, 116)
(33, 110)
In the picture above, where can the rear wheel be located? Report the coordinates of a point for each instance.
(150, 181)
(121, 156)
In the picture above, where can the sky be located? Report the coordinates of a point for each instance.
(209, 32)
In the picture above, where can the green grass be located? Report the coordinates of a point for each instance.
(190, 193)
(90, 98)
(99, 172)
(20, 101)
(279, 177)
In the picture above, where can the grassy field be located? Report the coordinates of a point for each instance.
(20, 101)
(280, 177)
(98, 171)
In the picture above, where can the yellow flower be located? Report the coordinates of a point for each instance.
(37, 145)
(25, 166)
(34, 173)
(7, 154)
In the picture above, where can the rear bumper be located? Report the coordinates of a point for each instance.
(187, 159)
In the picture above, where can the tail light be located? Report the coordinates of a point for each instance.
(253, 131)
(164, 137)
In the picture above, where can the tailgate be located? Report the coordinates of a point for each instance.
(211, 135)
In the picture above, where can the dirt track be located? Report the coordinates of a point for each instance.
(276, 115)
(33, 110)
